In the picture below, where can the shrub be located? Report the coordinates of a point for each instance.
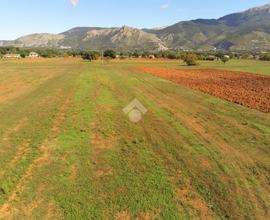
(225, 59)
(190, 59)
(90, 55)
(265, 57)
(110, 53)
(172, 56)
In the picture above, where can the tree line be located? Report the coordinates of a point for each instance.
(190, 58)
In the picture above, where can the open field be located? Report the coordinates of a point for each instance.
(69, 151)
(251, 66)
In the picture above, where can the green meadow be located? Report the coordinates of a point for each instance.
(68, 151)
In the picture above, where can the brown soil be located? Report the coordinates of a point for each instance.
(7, 135)
(123, 216)
(246, 89)
(150, 215)
(20, 155)
(204, 211)
(9, 89)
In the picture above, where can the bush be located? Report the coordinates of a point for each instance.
(90, 55)
(110, 53)
(265, 57)
(209, 58)
(225, 59)
(190, 59)
(172, 56)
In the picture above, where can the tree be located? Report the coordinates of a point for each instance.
(23, 55)
(265, 57)
(172, 55)
(225, 59)
(190, 59)
(136, 54)
(110, 53)
(90, 55)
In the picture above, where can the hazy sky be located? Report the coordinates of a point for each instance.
(21, 17)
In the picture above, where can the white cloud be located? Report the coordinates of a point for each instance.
(165, 6)
(74, 2)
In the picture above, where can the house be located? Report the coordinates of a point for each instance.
(33, 55)
(12, 56)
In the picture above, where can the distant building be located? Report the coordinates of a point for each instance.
(65, 47)
(11, 55)
(33, 55)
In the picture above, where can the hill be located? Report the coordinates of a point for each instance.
(227, 32)
(248, 30)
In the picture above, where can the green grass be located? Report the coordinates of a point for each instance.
(191, 156)
(250, 66)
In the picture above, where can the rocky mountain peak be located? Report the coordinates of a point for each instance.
(261, 8)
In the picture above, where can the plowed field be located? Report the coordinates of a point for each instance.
(249, 90)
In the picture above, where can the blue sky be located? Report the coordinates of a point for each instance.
(21, 17)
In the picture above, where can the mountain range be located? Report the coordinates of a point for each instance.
(248, 30)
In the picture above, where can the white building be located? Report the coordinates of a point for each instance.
(33, 55)
(11, 55)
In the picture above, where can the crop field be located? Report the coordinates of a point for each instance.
(243, 88)
(69, 151)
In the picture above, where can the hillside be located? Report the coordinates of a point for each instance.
(248, 30)
(124, 38)
(227, 32)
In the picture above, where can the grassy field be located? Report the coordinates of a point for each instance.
(68, 151)
(251, 66)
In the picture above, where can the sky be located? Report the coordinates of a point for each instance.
(22, 17)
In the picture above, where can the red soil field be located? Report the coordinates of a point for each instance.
(246, 89)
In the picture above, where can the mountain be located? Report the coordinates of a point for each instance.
(251, 17)
(248, 30)
(40, 40)
(124, 38)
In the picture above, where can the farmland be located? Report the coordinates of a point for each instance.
(247, 89)
(69, 151)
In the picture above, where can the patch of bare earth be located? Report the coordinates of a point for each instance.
(205, 213)
(246, 89)
(73, 172)
(8, 210)
(13, 88)
(182, 195)
(20, 155)
(7, 135)
(124, 215)
(149, 215)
